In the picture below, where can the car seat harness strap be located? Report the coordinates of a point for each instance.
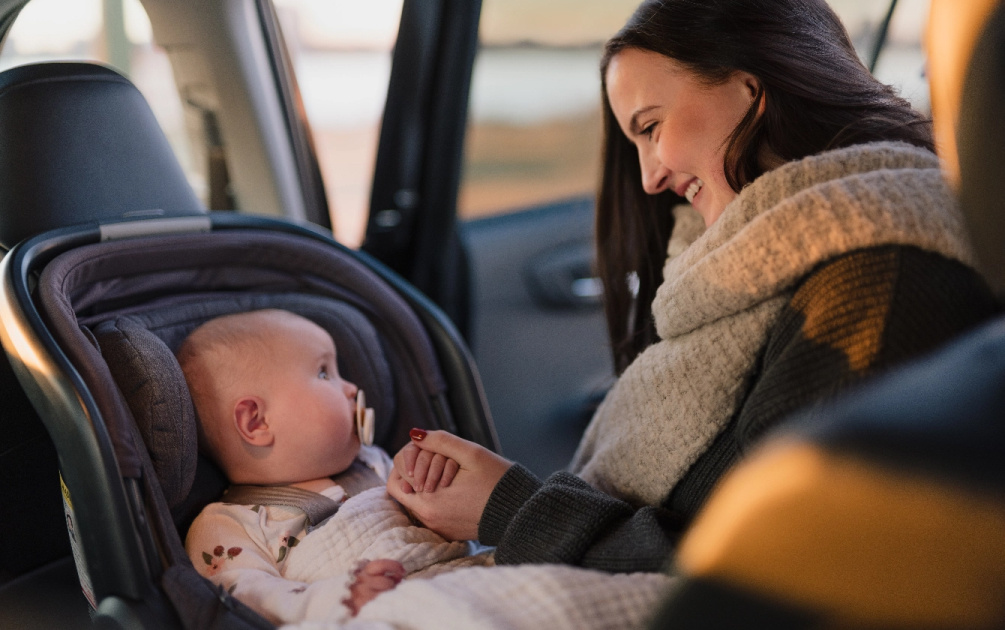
(356, 479)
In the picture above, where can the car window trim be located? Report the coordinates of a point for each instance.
(294, 114)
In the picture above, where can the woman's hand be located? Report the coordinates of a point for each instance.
(423, 470)
(453, 510)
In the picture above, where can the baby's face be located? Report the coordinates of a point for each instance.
(310, 406)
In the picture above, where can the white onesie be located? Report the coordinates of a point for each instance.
(265, 557)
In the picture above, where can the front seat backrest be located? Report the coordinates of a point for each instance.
(79, 144)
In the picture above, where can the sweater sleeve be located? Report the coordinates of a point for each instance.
(856, 316)
(565, 520)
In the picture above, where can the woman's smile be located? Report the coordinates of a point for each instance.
(680, 125)
(692, 190)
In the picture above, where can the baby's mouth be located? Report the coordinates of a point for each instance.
(693, 189)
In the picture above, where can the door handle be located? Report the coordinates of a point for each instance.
(563, 277)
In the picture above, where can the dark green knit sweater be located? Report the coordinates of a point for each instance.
(854, 316)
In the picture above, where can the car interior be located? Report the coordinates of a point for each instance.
(112, 249)
(94, 312)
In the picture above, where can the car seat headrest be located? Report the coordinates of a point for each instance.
(81, 144)
(155, 391)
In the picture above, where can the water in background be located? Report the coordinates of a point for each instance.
(513, 85)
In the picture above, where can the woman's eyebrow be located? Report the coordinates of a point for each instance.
(633, 124)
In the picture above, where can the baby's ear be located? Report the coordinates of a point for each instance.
(249, 419)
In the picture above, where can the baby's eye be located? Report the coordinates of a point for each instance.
(323, 372)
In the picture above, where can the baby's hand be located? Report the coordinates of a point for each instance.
(423, 471)
(371, 578)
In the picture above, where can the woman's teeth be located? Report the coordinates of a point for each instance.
(693, 189)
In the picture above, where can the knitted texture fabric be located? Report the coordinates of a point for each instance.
(854, 317)
(722, 295)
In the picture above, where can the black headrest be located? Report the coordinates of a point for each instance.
(80, 143)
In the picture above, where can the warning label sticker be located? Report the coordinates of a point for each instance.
(78, 554)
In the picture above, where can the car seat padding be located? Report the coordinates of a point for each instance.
(154, 387)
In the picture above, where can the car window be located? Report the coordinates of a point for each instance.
(341, 51)
(112, 32)
(534, 115)
(902, 61)
(534, 128)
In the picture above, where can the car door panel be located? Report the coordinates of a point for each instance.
(538, 331)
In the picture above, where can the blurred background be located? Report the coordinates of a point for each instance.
(534, 126)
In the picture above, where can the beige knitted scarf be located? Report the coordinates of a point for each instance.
(722, 294)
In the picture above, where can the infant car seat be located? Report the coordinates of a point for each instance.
(91, 314)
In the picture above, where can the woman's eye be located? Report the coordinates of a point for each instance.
(648, 131)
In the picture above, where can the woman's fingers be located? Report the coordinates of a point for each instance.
(446, 444)
(454, 512)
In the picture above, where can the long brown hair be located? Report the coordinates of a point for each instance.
(817, 95)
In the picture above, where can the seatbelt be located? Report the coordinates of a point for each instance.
(356, 479)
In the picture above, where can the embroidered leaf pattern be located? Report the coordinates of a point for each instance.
(282, 554)
(256, 508)
(232, 588)
(294, 541)
(208, 559)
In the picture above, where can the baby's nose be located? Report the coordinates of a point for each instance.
(350, 389)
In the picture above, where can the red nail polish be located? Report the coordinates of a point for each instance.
(417, 434)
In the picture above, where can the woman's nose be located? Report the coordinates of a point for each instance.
(655, 176)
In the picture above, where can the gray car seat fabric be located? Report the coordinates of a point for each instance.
(155, 390)
(122, 308)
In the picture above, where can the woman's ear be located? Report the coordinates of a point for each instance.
(752, 86)
(250, 421)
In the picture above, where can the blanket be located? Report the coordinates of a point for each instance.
(264, 556)
(555, 597)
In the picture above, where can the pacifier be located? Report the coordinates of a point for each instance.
(364, 419)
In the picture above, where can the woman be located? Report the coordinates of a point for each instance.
(832, 249)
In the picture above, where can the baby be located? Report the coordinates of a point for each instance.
(274, 411)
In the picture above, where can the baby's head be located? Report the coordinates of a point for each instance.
(272, 407)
